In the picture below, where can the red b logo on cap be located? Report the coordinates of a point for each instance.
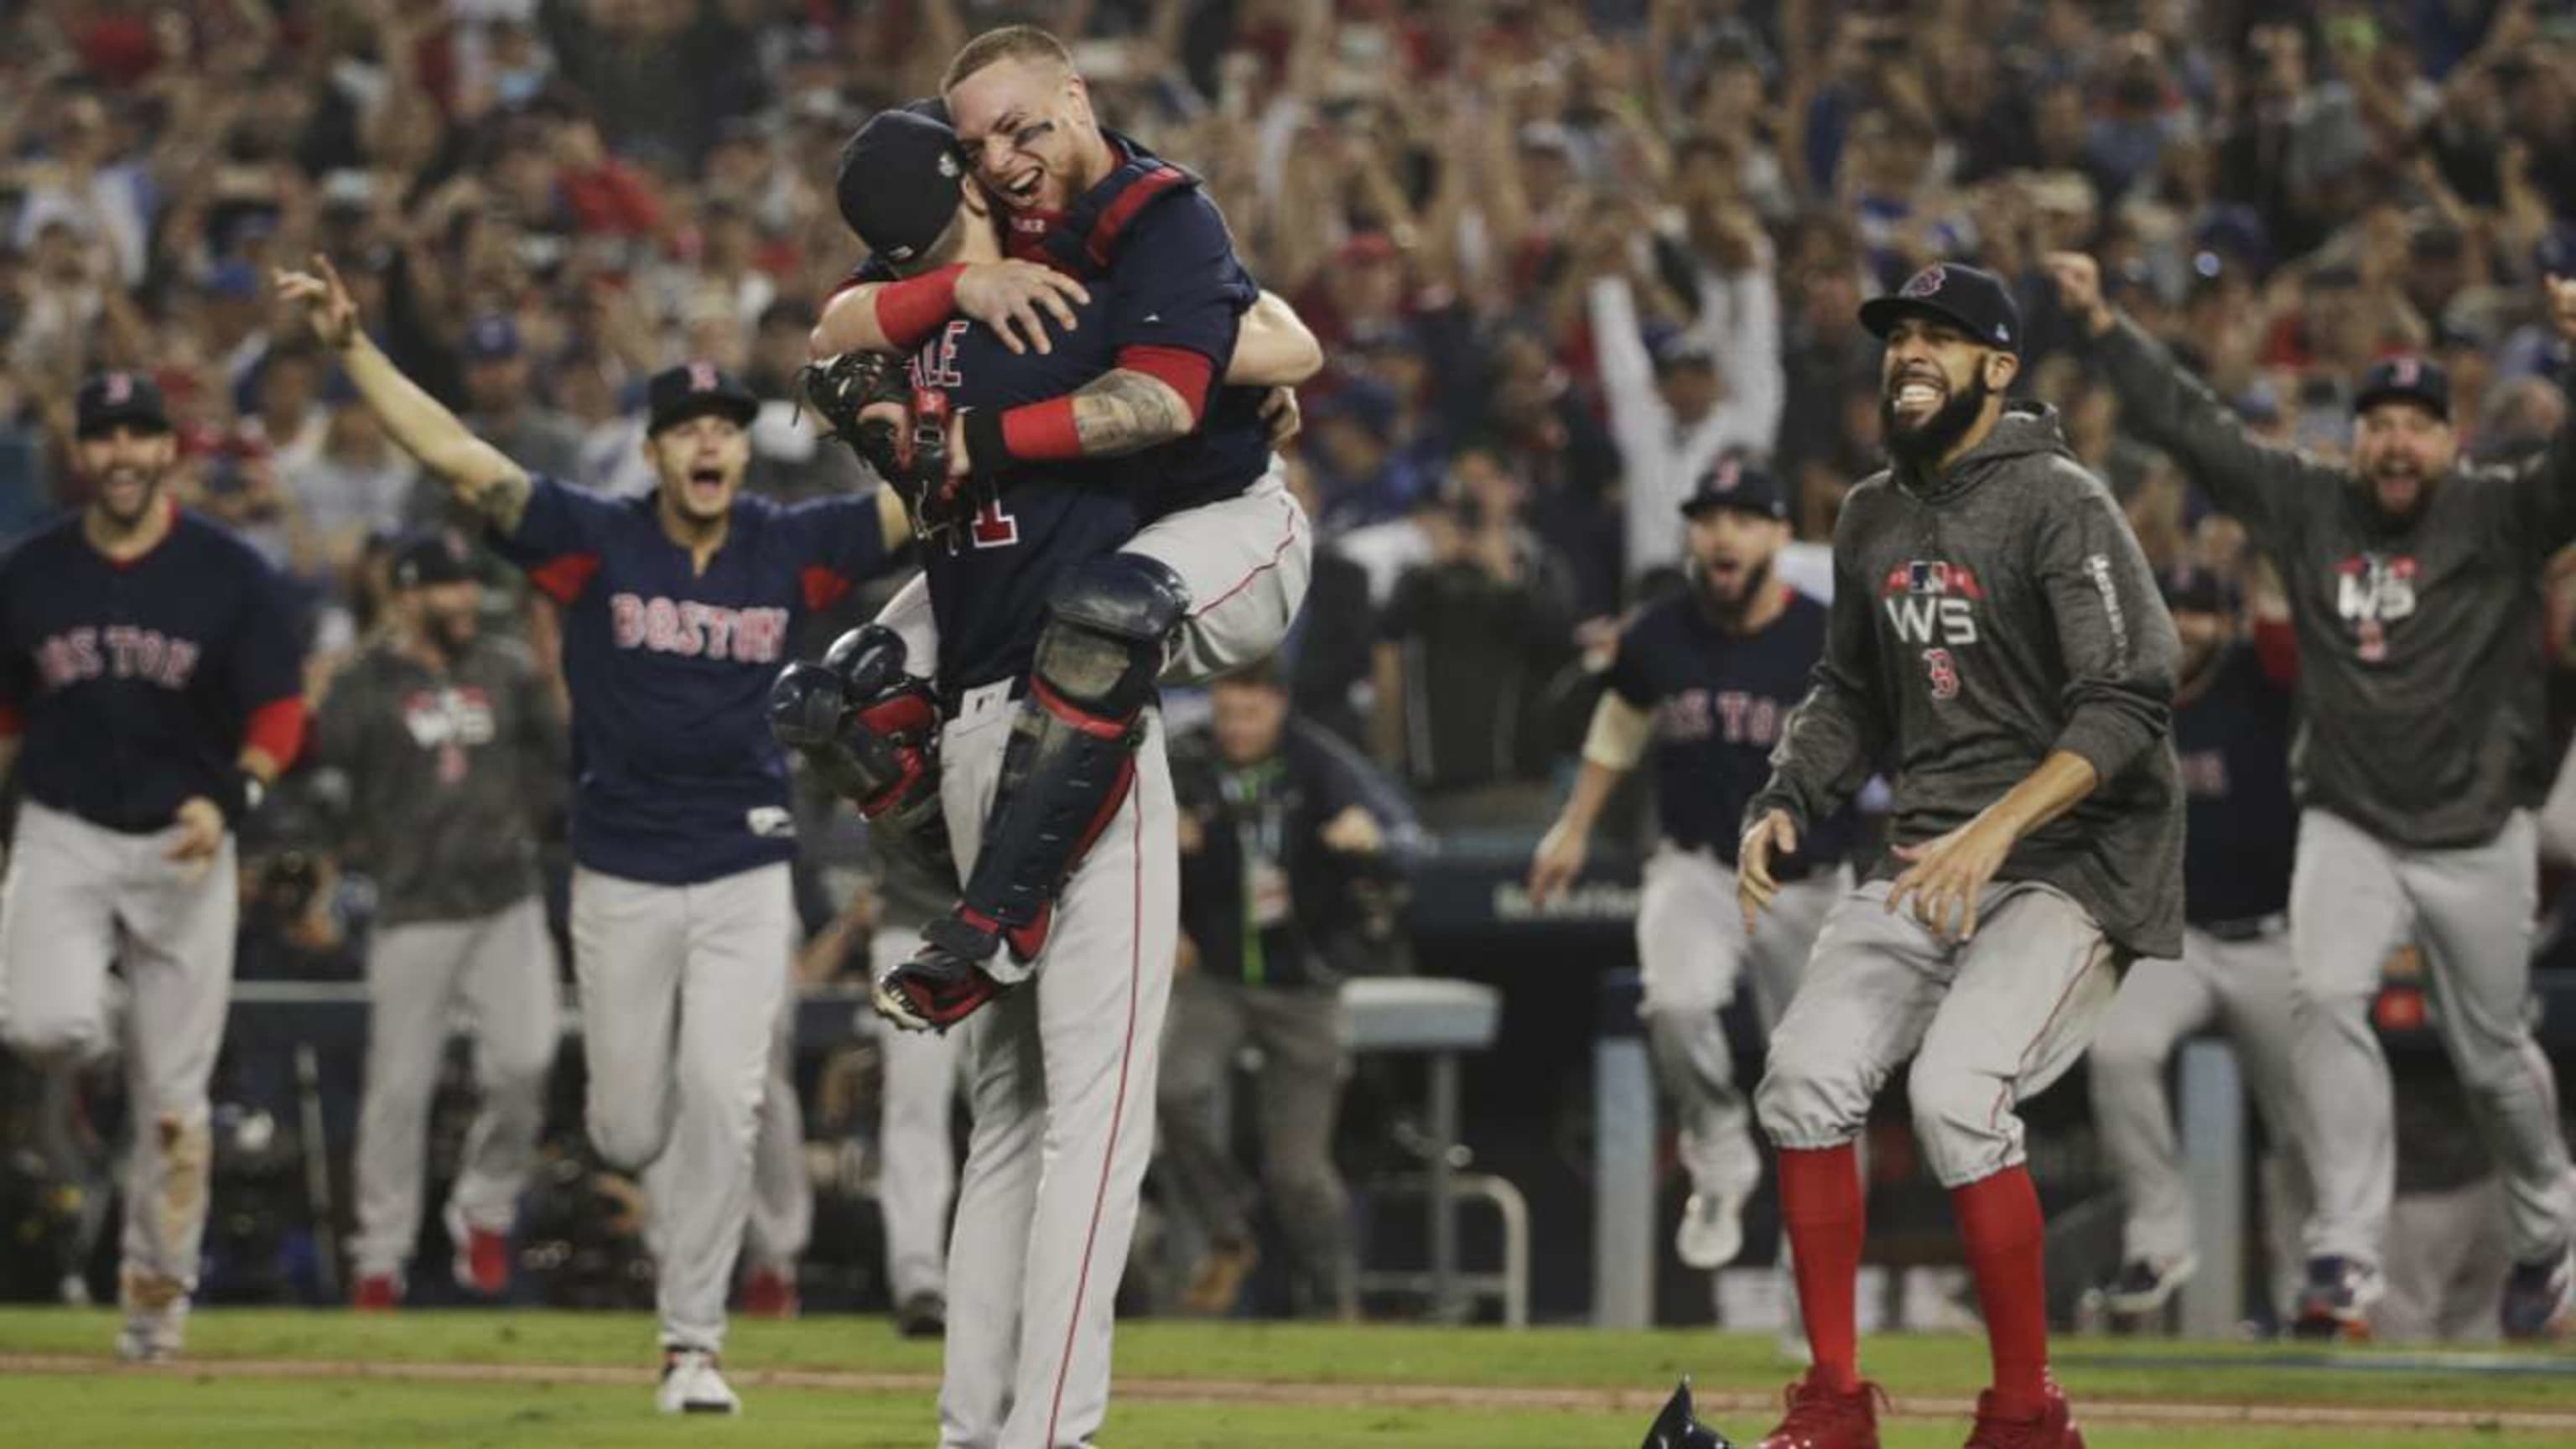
(120, 387)
(702, 377)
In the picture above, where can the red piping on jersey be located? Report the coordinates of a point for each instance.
(1279, 551)
(824, 587)
(1116, 215)
(563, 577)
(1117, 1113)
(1185, 372)
(276, 729)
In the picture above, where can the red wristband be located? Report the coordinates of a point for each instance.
(1039, 432)
(910, 310)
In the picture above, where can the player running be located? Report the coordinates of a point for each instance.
(1996, 639)
(444, 737)
(2231, 731)
(1220, 565)
(151, 690)
(2413, 584)
(1032, 595)
(1706, 677)
(677, 609)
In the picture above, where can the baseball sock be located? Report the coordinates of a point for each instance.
(2006, 1240)
(1820, 1201)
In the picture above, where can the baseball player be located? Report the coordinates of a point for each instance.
(677, 608)
(1705, 679)
(2412, 581)
(1031, 595)
(2231, 730)
(1225, 552)
(1996, 639)
(150, 691)
(443, 738)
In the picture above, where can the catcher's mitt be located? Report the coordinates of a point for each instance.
(910, 455)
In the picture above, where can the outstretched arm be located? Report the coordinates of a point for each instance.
(481, 476)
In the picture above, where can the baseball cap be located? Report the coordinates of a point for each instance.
(1735, 483)
(693, 389)
(430, 557)
(899, 183)
(1971, 299)
(116, 397)
(2405, 379)
(491, 338)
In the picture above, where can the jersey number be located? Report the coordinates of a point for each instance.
(1944, 673)
(992, 527)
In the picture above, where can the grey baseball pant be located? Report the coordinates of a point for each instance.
(1988, 1023)
(679, 1003)
(1062, 1074)
(78, 897)
(2353, 900)
(2244, 985)
(917, 1164)
(1693, 952)
(500, 969)
(780, 1220)
(1303, 1034)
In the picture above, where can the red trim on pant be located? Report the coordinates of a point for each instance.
(1117, 1114)
(1287, 541)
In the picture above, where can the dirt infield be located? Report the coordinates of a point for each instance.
(1410, 1396)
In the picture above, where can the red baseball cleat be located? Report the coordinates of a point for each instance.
(2052, 1428)
(377, 1293)
(482, 1258)
(1824, 1417)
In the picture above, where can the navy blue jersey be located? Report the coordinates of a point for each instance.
(1719, 700)
(989, 581)
(133, 681)
(677, 777)
(2241, 827)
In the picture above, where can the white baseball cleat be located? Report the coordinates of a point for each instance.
(1712, 1230)
(691, 1384)
(151, 1336)
(2145, 1285)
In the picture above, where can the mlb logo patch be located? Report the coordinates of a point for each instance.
(1934, 577)
(1925, 283)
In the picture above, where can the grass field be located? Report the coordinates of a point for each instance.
(554, 1381)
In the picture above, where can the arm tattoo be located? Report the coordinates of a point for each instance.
(1122, 412)
(503, 501)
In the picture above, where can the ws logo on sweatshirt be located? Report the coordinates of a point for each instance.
(1932, 602)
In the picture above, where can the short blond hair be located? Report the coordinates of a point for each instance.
(1010, 42)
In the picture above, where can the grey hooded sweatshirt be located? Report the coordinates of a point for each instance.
(2420, 661)
(1982, 619)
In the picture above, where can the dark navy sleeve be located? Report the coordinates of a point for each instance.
(268, 659)
(560, 537)
(837, 543)
(1177, 282)
(1628, 676)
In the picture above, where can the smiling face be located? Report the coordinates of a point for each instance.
(125, 463)
(1025, 127)
(700, 462)
(2401, 449)
(1936, 383)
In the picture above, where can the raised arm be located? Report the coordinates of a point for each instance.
(481, 476)
(2164, 405)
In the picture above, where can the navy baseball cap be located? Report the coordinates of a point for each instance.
(1736, 484)
(119, 396)
(1971, 299)
(2405, 379)
(694, 389)
(431, 557)
(491, 338)
(899, 183)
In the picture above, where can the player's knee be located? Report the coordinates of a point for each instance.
(1963, 1120)
(51, 1043)
(627, 1139)
(2124, 1058)
(1107, 628)
(1685, 1011)
(1809, 1101)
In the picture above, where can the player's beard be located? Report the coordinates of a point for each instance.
(127, 493)
(1724, 612)
(1928, 441)
(451, 632)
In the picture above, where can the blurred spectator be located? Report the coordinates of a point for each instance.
(354, 484)
(501, 408)
(1287, 839)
